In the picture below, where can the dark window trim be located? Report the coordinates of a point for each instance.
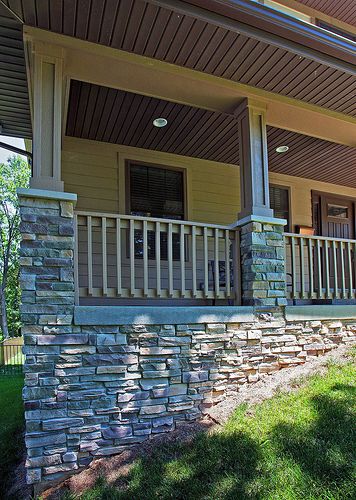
(317, 194)
(289, 227)
(129, 163)
(335, 30)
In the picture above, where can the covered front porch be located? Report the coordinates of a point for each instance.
(157, 216)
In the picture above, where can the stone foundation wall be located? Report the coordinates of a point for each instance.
(93, 391)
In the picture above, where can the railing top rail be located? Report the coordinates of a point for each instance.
(154, 219)
(322, 238)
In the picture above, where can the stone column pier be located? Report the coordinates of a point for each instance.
(47, 283)
(262, 262)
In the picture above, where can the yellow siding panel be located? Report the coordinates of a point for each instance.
(96, 172)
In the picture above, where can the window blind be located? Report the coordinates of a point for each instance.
(279, 202)
(156, 192)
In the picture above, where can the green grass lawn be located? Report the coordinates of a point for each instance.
(11, 428)
(295, 446)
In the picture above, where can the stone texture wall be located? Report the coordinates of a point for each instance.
(91, 391)
(47, 283)
(263, 264)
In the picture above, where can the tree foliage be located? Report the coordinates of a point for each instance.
(15, 173)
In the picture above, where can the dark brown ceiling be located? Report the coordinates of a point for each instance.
(119, 117)
(145, 28)
(344, 10)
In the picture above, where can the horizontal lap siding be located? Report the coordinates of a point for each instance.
(91, 169)
(93, 176)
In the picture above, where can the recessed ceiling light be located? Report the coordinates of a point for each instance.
(282, 149)
(160, 122)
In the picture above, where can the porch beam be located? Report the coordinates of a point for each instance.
(100, 65)
(46, 67)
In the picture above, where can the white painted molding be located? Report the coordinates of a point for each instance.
(263, 220)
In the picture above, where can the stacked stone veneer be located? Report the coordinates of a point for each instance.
(262, 264)
(91, 391)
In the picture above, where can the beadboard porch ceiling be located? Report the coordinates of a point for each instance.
(344, 10)
(119, 117)
(236, 40)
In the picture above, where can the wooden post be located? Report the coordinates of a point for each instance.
(262, 242)
(46, 72)
(253, 160)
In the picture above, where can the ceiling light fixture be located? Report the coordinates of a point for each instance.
(160, 122)
(282, 149)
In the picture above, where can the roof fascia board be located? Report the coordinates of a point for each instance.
(273, 27)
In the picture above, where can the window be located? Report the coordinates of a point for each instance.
(286, 10)
(335, 30)
(337, 211)
(156, 192)
(279, 201)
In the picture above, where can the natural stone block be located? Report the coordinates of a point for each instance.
(117, 432)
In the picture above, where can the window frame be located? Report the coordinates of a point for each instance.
(130, 163)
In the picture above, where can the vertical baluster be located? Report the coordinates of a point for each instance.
(90, 256)
(145, 259)
(302, 268)
(293, 259)
(327, 270)
(236, 263)
(158, 258)
(104, 255)
(132, 257)
(319, 267)
(227, 263)
(216, 263)
(349, 268)
(118, 257)
(194, 260)
(182, 259)
(206, 262)
(311, 268)
(76, 261)
(343, 281)
(336, 280)
(170, 259)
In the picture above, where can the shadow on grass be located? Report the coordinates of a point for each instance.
(325, 449)
(311, 458)
(214, 466)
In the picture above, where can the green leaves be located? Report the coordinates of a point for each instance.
(15, 173)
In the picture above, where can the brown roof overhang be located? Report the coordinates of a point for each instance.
(259, 21)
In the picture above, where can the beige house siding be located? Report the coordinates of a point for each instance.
(96, 172)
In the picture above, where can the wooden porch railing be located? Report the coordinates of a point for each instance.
(318, 267)
(126, 256)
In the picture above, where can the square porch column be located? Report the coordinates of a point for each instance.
(46, 77)
(262, 242)
(47, 308)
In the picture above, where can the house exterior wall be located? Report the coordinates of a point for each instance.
(96, 172)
